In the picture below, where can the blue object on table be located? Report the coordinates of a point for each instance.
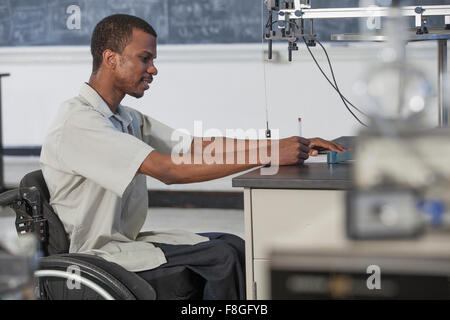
(435, 209)
(336, 157)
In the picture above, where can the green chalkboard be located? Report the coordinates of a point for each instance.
(70, 22)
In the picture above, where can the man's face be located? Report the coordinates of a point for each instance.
(135, 69)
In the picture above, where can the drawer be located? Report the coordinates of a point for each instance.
(277, 212)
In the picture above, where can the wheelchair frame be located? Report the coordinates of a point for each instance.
(32, 217)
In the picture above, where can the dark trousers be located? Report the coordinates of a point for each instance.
(210, 270)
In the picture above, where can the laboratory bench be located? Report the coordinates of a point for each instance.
(286, 203)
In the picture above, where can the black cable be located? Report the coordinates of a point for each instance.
(334, 79)
(335, 86)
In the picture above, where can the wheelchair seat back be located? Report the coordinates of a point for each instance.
(57, 241)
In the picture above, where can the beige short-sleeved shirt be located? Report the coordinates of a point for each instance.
(89, 160)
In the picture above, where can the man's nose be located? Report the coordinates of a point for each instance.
(152, 70)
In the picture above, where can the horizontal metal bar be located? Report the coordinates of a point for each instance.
(330, 13)
(434, 34)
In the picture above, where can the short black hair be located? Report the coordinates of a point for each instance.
(114, 33)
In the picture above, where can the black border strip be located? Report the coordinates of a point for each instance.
(22, 151)
(196, 199)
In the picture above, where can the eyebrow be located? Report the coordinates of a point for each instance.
(149, 53)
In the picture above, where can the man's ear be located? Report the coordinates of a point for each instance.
(110, 59)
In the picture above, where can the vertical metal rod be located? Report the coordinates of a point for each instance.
(270, 50)
(2, 183)
(270, 32)
(289, 52)
(442, 83)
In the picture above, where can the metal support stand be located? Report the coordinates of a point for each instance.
(442, 83)
(2, 182)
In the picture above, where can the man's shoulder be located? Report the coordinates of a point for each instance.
(76, 107)
(77, 103)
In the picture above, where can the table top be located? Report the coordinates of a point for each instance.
(307, 176)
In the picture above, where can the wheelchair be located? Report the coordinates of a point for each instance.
(74, 276)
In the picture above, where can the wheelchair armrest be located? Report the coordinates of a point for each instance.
(29, 220)
(9, 197)
(30, 194)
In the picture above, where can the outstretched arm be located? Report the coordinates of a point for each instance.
(212, 158)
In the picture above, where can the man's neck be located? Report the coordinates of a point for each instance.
(106, 90)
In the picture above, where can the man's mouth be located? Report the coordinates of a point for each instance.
(146, 82)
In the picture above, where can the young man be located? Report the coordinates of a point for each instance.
(97, 153)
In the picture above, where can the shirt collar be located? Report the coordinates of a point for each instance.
(123, 116)
(98, 103)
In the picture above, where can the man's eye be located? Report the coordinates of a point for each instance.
(145, 59)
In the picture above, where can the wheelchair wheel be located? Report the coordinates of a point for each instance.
(66, 278)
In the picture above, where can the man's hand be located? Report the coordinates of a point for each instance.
(319, 144)
(293, 150)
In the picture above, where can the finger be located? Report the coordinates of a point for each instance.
(339, 147)
(319, 145)
(303, 155)
(304, 141)
(300, 161)
(332, 147)
(303, 148)
(313, 152)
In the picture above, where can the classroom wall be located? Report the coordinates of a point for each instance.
(221, 85)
